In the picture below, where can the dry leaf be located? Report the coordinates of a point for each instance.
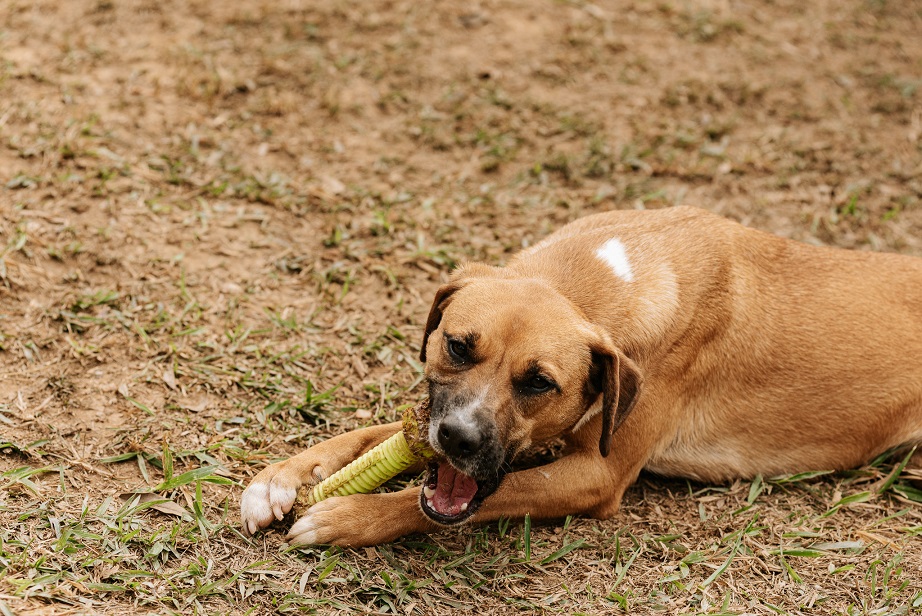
(359, 366)
(869, 536)
(168, 507)
(169, 378)
(332, 186)
(197, 406)
(231, 288)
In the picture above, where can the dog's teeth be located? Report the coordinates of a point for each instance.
(429, 502)
(428, 492)
(463, 507)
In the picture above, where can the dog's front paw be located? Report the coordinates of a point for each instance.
(359, 520)
(329, 522)
(272, 494)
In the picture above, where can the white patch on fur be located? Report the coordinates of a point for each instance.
(304, 531)
(255, 508)
(262, 503)
(591, 412)
(615, 255)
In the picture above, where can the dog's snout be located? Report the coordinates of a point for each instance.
(458, 438)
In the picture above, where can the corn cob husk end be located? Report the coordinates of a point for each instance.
(416, 430)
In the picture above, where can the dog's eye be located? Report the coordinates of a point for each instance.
(537, 384)
(458, 350)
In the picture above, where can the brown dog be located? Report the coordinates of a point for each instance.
(670, 340)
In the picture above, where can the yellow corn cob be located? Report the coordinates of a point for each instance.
(388, 459)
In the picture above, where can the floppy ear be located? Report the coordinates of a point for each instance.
(620, 381)
(435, 313)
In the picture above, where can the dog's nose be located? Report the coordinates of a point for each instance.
(459, 438)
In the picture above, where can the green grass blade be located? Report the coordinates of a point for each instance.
(527, 537)
(205, 473)
(167, 461)
(755, 489)
(896, 472)
(573, 545)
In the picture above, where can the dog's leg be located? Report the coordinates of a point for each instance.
(272, 492)
(583, 482)
(361, 520)
(580, 483)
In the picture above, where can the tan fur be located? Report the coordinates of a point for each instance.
(756, 355)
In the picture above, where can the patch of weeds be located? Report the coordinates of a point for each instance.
(578, 124)
(851, 209)
(336, 280)
(107, 552)
(906, 87)
(268, 189)
(294, 264)
(337, 234)
(381, 224)
(558, 163)
(599, 161)
(285, 319)
(595, 162)
(496, 148)
(99, 298)
(16, 243)
(315, 407)
(703, 26)
(439, 255)
(80, 315)
(22, 180)
(22, 477)
(432, 133)
(495, 96)
(632, 156)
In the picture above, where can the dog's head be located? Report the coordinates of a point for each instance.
(510, 362)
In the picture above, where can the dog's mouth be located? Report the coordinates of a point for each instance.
(449, 496)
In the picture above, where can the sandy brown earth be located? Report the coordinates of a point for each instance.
(221, 225)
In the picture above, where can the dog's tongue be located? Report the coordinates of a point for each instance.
(454, 491)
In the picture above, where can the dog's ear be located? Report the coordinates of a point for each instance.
(620, 382)
(435, 312)
(459, 278)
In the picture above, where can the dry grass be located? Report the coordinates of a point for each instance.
(221, 225)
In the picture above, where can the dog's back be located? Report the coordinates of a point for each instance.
(774, 355)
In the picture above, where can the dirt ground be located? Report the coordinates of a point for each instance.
(221, 225)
